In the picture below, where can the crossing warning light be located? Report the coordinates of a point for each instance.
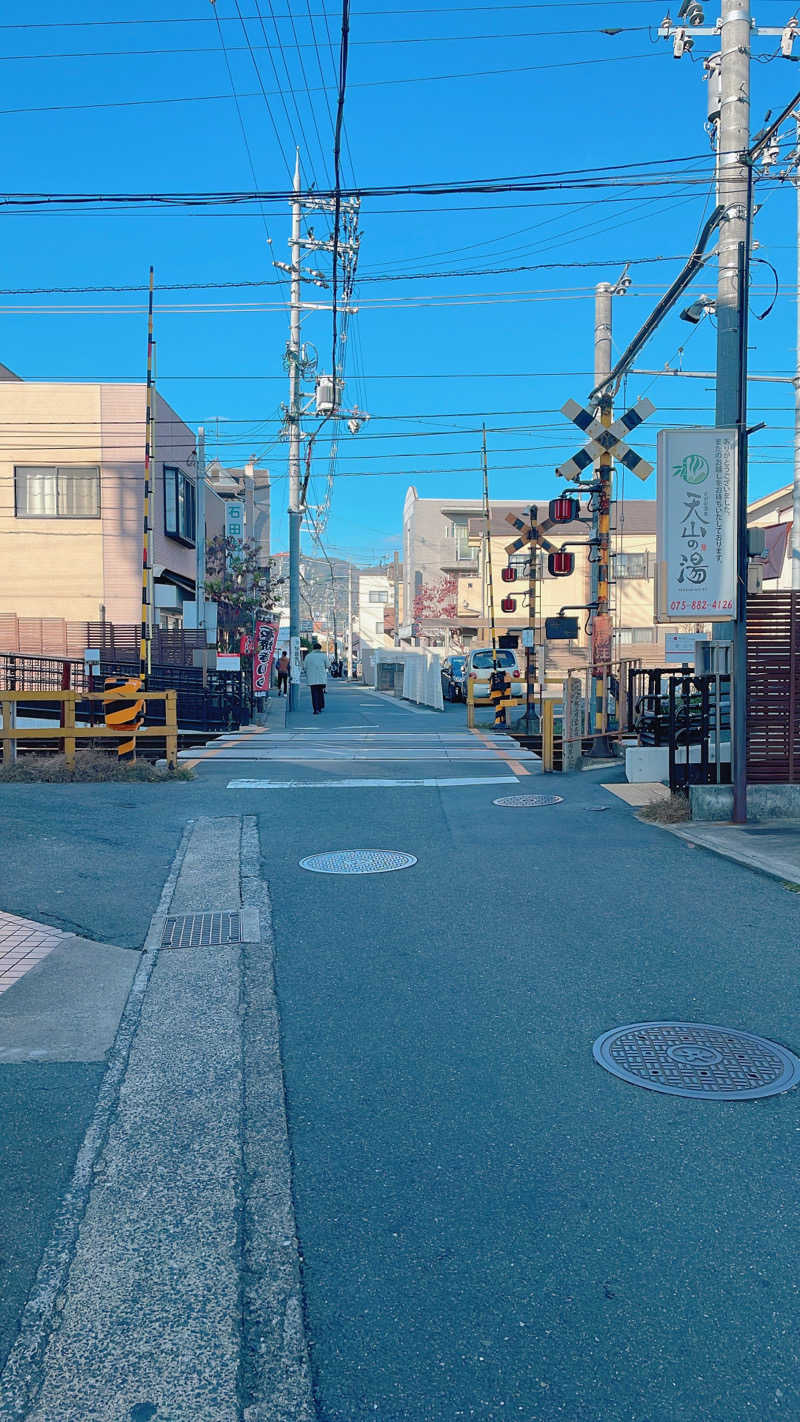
(560, 564)
(509, 575)
(509, 604)
(564, 509)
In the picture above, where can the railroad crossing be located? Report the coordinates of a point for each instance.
(609, 440)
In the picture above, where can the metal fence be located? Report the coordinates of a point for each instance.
(690, 714)
(225, 702)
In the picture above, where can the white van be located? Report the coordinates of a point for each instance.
(480, 665)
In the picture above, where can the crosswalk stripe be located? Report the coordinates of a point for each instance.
(441, 783)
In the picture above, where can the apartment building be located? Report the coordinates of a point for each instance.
(444, 544)
(72, 499)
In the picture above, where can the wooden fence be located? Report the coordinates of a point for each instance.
(773, 688)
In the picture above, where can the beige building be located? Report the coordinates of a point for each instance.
(447, 540)
(71, 503)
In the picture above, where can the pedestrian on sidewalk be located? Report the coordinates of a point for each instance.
(316, 676)
(283, 674)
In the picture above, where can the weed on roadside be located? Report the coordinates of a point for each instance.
(674, 811)
(90, 765)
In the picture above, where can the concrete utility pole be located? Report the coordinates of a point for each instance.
(796, 494)
(295, 511)
(396, 585)
(733, 141)
(200, 531)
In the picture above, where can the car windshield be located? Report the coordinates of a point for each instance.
(485, 659)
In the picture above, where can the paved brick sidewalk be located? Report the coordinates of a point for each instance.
(23, 943)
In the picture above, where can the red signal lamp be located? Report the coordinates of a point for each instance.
(509, 604)
(560, 564)
(564, 509)
(509, 575)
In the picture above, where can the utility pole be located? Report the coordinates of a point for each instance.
(601, 513)
(295, 511)
(396, 564)
(796, 493)
(349, 620)
(729, 111)
(200, 531)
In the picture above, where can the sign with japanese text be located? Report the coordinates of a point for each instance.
(696, 576)
(234, 526)
(266, 636)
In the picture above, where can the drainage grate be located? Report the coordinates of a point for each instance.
(358, 861)
(696, 1060)
(523, 802)
(210, 930)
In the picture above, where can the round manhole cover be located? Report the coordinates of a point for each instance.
(525, 802)
(694, 1059)
(358, 861)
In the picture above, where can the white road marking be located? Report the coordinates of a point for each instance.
(369, 784)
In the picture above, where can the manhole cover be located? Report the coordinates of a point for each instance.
(694, 1059)
(358, 861)
(524, 802)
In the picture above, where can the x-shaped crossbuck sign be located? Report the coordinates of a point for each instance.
(604, 440)
(531, 533)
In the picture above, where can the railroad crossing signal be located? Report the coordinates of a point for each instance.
(604, 440)
(530, 533)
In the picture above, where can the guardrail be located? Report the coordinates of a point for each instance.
(473, 701)
(69, 734)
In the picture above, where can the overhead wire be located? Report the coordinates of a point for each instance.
(291, 89)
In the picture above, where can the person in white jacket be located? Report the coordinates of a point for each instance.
(316, 676)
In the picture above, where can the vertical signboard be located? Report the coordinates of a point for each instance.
(234, 524)
(696, 574)
(265, 638)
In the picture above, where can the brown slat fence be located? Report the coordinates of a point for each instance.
(773, 688)
(55, 637)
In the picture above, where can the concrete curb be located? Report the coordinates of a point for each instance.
(275, 1366)
(23, 1374)
(705, 835)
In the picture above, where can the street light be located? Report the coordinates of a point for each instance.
(703, 306)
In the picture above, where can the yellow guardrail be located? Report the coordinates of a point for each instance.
(70, 734)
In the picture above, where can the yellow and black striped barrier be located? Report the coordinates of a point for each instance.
(123, 705)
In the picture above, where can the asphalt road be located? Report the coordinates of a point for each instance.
(491, 1226)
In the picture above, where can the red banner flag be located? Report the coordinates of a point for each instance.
(265, 640)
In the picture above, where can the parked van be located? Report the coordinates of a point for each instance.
(480, 665)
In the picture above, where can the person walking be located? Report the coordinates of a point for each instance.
(316, 676)
(283, 674)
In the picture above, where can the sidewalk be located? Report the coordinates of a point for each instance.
(772, 849)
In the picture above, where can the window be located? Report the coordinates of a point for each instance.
(179, 505)
(638, 634)
(632, 565)
(379, 628)
(62, 491)
(484, 660)
(378, 595)
(459, 532)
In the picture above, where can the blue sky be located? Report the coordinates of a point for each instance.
(432, 358)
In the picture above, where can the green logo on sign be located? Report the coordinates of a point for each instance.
(694, 469)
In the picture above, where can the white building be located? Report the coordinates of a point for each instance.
(375, 595)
